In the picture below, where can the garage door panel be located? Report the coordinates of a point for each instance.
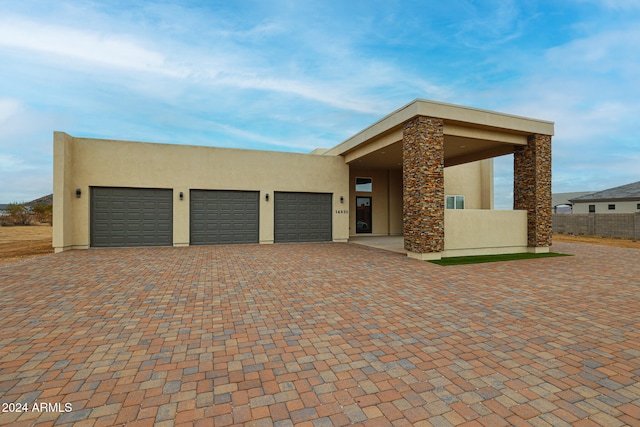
(103, 229)
(224, 217)
(302, 217)
(102, 204)
(131, 217)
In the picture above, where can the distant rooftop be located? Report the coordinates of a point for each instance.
(623, 193)
(558, 199)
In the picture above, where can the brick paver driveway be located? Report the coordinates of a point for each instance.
(319, 335)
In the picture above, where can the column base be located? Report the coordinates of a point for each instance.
(429, 256)
(538, 249)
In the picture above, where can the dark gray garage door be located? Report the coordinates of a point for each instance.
(302, 217)
(131, 217)
(221, 216)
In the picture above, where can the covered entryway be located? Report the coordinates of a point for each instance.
(302, 217)
(404, 156)
(223, 217)
(131, 217)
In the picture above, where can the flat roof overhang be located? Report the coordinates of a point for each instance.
(470, 134)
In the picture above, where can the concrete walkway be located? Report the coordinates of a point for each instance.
(388, 243)
(319, 335)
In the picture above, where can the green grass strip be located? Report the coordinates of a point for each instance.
(479, 259)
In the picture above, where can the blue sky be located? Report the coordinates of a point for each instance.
(296, 75)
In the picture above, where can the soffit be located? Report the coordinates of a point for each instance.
(462, 144)
(457, 150)
(464, 119)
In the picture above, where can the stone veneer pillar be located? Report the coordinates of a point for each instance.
(423, 187)
(532, 189)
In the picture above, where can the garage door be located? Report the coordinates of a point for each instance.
(131, 217)
(220, 217)
(302, 217)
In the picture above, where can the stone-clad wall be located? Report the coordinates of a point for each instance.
(423, 184)
(532, 187)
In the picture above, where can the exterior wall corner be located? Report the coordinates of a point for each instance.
(62, 192)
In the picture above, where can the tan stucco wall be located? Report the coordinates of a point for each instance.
(386, 201)
(62, 199)
(474, 231)
(82, 163)
(603, 207)
(472, 180)
(395, 202)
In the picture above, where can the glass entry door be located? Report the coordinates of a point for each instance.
(363, 215)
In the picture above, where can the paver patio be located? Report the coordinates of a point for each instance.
(320, 335)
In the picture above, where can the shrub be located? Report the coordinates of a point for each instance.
(18, 214)
(43, 213)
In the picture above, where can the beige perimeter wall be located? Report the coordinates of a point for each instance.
(83, 163)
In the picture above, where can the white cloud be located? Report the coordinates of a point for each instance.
(589, 88)
(489, 24)
(602, 52)
(8, 108)
(312, 90)
(616, 4)
(239, 70)
(110, 50)
(587, 106)
(25, 151)
(12, 163)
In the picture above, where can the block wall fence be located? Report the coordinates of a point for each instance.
(624, 226)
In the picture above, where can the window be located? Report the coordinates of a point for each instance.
(592, 208)
(363, 215)
(638, 206)
(454, 202)
(612, 207)
(364, 185)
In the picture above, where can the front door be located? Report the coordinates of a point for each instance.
(363, 215)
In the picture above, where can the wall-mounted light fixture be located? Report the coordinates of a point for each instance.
(266, 197)
(341, 199)
(181, 196)
(78, 192)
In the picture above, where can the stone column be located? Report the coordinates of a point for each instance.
(532, 189)
(423, 187)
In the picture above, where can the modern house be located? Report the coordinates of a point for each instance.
(424, 171)
(560, 202)
(622, 199)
